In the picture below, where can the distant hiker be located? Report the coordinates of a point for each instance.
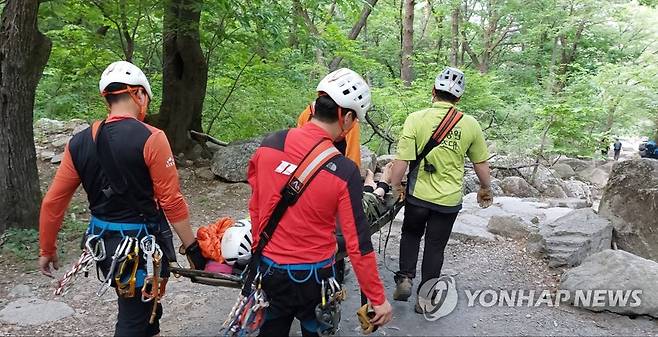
(617, 148)
(295, 247)
(435, 179)
(128, 172)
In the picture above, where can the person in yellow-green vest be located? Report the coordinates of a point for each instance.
(433, 195)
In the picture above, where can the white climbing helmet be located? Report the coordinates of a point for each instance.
(451, 80)
(348, 90)
(236, 243)
(124, 72)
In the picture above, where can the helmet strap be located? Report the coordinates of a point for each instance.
(132, 91)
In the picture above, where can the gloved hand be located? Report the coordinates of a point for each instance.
(195, 257)
(485, 197)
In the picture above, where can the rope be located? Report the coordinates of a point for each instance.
(83, 264)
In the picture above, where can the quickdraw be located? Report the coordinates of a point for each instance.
(152, 290)
(119, 255)
(126, 288)
(248, 313)
(327, 312)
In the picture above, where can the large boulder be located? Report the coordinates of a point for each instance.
(230, 162)
(630, 202)
(563, 170)
(575, 163)
(573, 237)
(594, 175)
(577, 189)
(469, 227)
(518, 187)
(472, 184)
(510, 226)
(554, 190)
(615, 271)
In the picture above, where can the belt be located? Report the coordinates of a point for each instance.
(298, 266)
(115, 226)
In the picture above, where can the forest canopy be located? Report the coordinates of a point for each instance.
(566, 72)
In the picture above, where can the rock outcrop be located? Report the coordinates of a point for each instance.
(230, 162)
(509, 226)
(615, 271)
(571, 238)
(518, 187)
(630, 201)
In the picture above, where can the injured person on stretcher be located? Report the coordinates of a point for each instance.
(227, 243)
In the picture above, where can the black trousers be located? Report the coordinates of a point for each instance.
(133, 314)
(436, 227)
(289, 300)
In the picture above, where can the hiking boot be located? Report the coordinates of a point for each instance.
(402, 288)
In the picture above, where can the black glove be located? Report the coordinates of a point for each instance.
(195, 257)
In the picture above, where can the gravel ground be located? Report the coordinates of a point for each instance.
(199, 310)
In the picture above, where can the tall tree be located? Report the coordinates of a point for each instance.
(454, 37)
(24, 52)
(407, 42)
(356, 29)
(184, 75)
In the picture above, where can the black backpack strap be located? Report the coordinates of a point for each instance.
(440, 133)
(119, 186)
(118, 181)
(309, 167)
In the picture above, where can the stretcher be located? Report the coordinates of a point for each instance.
(234, 280)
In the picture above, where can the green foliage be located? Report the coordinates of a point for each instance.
(20, 243)
(583, 68)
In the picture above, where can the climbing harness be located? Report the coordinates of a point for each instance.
(327, 312)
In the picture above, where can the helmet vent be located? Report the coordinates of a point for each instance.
(127, 73)
(346, 92)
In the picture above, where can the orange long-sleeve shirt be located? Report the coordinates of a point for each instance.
(161, 168)
(353, 137)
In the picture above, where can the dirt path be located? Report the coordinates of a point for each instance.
(198, 310)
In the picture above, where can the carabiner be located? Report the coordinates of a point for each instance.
(97, 249)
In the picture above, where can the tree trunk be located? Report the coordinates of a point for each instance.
(184, 75)
(427, 15)
(356, 29)
(24, 52)
(407, 42)
(454, 46)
